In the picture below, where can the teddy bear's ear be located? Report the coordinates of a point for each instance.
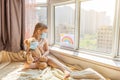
(26, 42)
(31, 39)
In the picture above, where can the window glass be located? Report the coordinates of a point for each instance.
(96, 25)
(64, 24)
(41, 14)
(41, 1)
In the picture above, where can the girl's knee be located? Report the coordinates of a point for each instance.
(42, 65)
(43, 59)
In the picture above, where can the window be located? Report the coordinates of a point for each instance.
(41, 1)
(96, 25)
(118, 54)
(41, 14)
(64, 23)
(35, 12)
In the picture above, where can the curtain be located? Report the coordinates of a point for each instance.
(31, 18)
(12, 25)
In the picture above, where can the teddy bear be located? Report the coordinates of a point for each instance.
(33, 53)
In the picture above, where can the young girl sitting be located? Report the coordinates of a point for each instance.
(39, 35)
(34, 55)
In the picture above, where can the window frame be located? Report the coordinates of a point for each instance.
(53, 24)
(115, 35)
(93, 52)
(116, 29)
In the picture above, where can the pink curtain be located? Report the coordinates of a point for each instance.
(30, 17)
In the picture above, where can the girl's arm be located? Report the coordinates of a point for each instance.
(46, 49)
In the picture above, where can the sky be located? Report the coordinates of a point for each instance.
(107, 6)
(100, 5)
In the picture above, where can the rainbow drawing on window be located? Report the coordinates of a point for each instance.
(67, 40)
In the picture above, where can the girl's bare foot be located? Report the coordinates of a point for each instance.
(25, 66)
(67, 74)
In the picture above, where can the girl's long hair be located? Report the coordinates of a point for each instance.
(39, 26)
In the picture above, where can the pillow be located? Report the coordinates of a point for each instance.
(86, 74)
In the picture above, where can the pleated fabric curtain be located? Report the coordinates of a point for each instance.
(12, 25)
(30, 17)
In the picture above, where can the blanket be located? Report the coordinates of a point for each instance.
(11, 65)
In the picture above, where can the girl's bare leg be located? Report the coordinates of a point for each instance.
(30, 66)
(41, 65)
(56, 64)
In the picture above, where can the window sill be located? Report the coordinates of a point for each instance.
(109, 63)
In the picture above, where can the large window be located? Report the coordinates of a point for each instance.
(64, 22)
(41, 1)
(41, 14)
(96, 25)
(93, 24)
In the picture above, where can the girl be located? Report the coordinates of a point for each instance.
(34, 54)
(39, 34)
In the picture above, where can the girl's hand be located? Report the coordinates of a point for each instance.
(43, 59)
(30, 59)
(36, 59)
(41, 49)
